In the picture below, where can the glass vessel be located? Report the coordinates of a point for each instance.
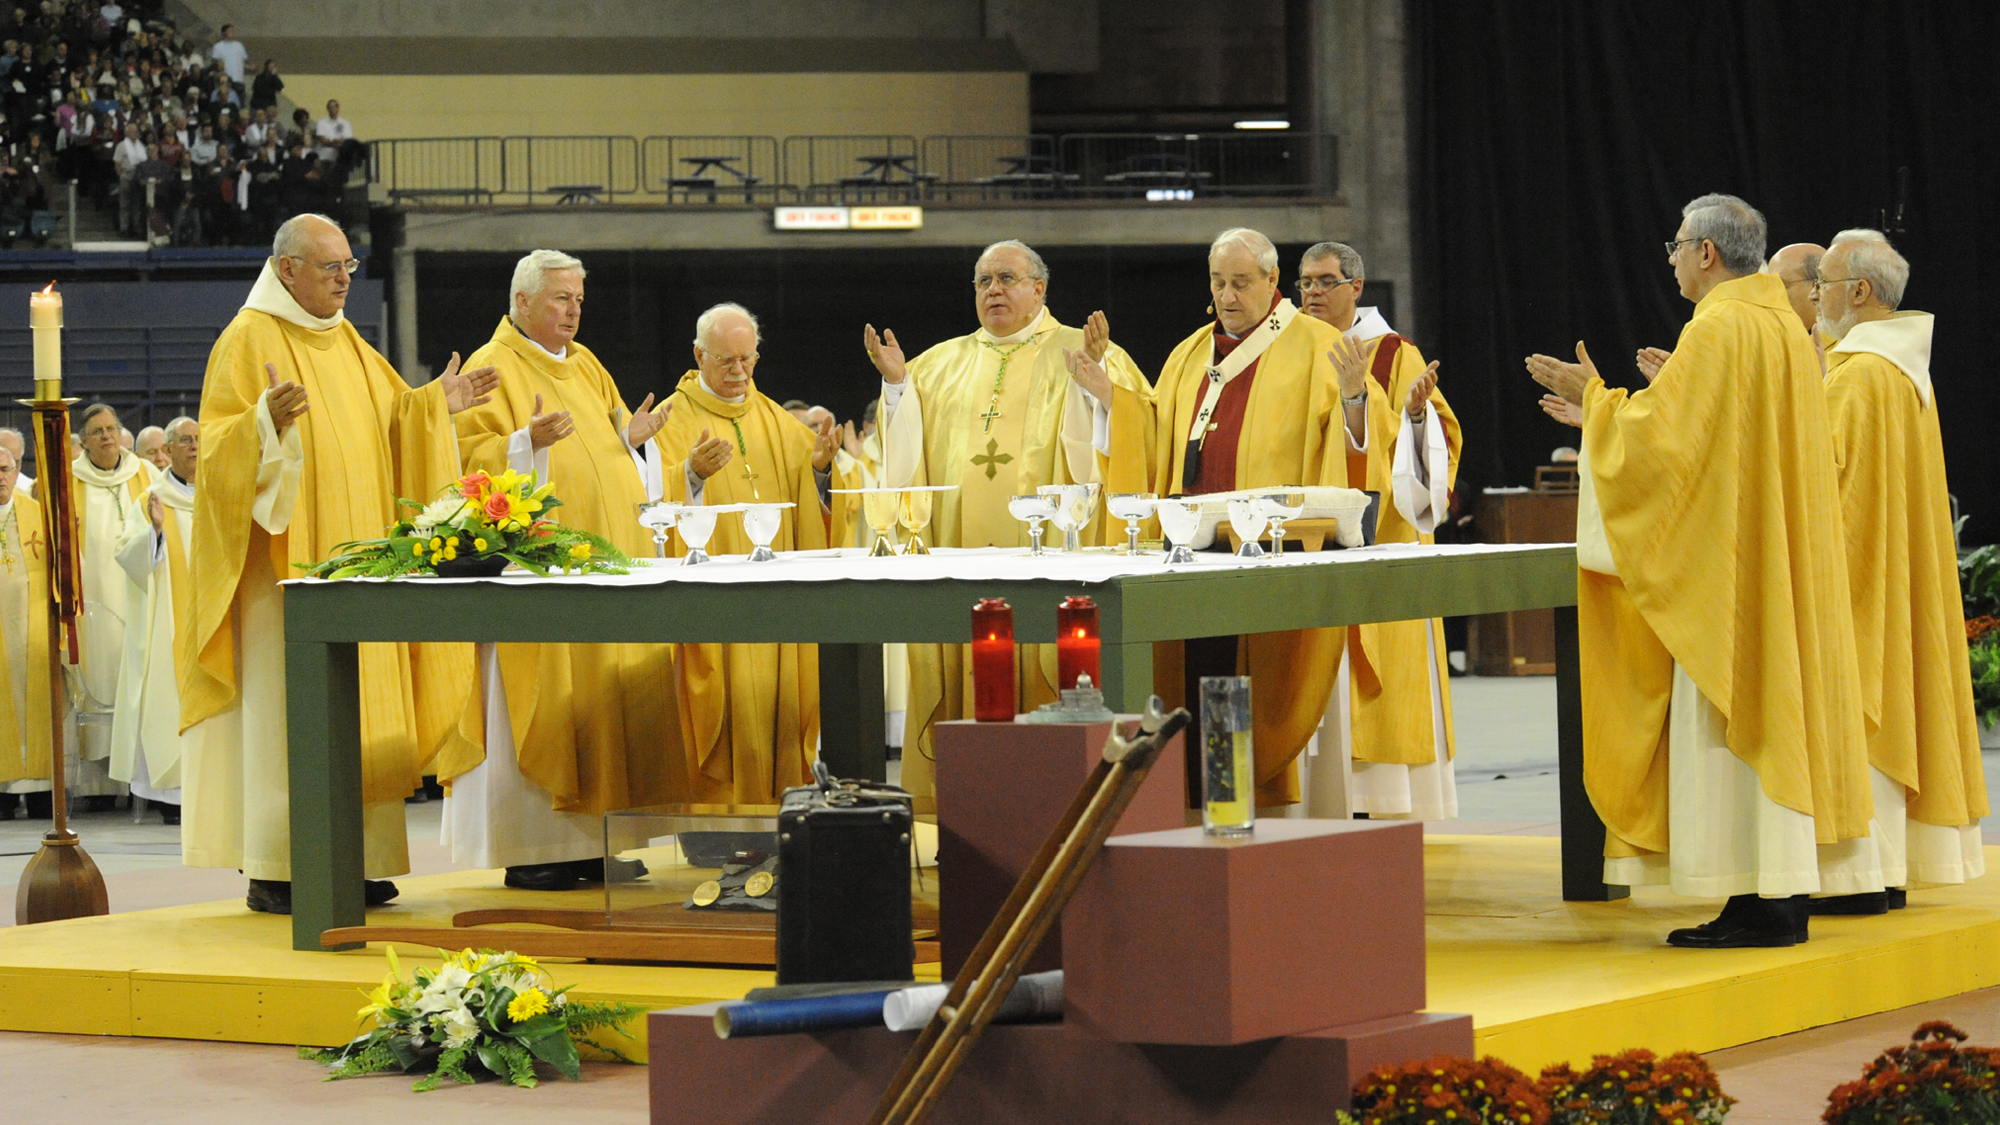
(761, 522)
(697, 523)
(1033, 510)
(878, 505)
(1228, 780)
(1077, 645)
(1280, 508)
(993, 661)
(1179, 520)
(913, 511)
(1248, 524)
(658, 517)
(1075, 504)
(1132, 507)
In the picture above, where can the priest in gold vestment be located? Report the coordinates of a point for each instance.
(749, 712)
(995, 413)
(146, 741)
(308, 437)
(1909, 619)
(1253, 398)
(1394, 694)
(25, 699)
(1725, 745)
(111, 486)
(556, 735)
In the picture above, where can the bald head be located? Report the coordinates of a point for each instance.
(310, 255)
(1797, 266)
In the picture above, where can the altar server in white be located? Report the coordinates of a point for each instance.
(146, 730)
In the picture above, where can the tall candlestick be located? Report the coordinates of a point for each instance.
(45, 316)
(1076, 643)
(993, 661)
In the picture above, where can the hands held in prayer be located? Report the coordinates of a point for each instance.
(1651, 360)
(474, 388)
(1350, 361)
(287, 399)
(545, 430)
(1420, 391)
(885, 353)
(826, 439)
(1086, 364)
(157, 513)
(1567, 380)
(1097, 335)
(647, 421)
(709, 454)
(1563, 410)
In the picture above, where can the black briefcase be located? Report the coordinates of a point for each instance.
(844, 882)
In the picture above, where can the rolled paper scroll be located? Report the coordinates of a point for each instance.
(1035, 996)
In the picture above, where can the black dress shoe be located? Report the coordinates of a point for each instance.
(10, 803)
(378, 892)
(41, 806)
(1874, 902)
(595, 870)
(1898, 898)
(102, 802)
(1746, 921)
(170, 814)
(543, 877)
(269, 896)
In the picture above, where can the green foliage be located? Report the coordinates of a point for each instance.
(1985, 657)
(1979, 581)
(1936, 1080)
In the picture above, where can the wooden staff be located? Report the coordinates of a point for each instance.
(61, 881)
(1037, 901)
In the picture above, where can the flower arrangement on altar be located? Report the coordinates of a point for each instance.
(1636, 1088)
(1933, 1080)
(1446, 1091)
(479, 1011)
(474, 528)
(1979, 585)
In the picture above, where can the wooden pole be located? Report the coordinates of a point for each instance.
(61, 881)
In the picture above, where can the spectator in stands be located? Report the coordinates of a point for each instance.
(331, 131)
(260, 192)
(301, 183)
(265, 89)
(204, 149)
(130, 153)
(302, 122)
(159, 175)
(230, 52)
(9, 55)
(258, 130)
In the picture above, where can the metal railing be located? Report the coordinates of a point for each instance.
(881, 168)
(149, 374)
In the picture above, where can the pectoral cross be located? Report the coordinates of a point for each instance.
(750, 474)
(992, 412)
(992, 458)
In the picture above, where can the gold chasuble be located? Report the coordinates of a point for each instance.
(999, 418)
(1290, 431)
(1909, 619)
(25, 765)
(749, 712)
(1390, 663)
(593, 723)
(268, 501)
(1722, 553)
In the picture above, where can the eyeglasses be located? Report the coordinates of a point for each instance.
(1005, 279)
(1324, 281)
(1825, 281)
(1674, 245)
(350, 267)
(746, 362)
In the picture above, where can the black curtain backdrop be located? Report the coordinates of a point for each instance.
(1554, 143)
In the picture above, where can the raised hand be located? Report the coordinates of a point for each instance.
(1565, 379)
(545, 430)
(826, 439)
(287, 400)
(647, 421)
(1563, 410)
(474, 388)
(1420, 391)
(1088, 372)
(850, 440)
(885, 353)
(1097, 336)
(709, 455)
(1350, 360)
(157, 513)
(1651, 360)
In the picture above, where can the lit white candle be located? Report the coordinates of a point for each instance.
(45, 317)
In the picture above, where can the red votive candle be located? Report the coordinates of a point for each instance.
(993, 661)
(1076, 643)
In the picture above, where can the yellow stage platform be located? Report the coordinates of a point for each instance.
(1544, 980)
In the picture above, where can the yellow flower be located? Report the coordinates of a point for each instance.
(436, 542)
(580, 551)
(451, 542)
(527, 1005)
(451, 552)
(479, 544)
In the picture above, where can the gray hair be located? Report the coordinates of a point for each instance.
(1871, 258)
(1037, 269)
(93, 410)
(1259, 246)
(1350, 258)
(291, 237)
(1736, 228)
(704, 324)
(153, 430)
(174, 427)
(531, 274)
(9, 431)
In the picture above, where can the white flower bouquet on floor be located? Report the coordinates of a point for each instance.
(479, 1011)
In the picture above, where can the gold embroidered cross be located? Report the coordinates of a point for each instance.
(992, 458)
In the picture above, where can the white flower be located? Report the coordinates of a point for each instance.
(440, 511)
(444, 992)
(459, 1027)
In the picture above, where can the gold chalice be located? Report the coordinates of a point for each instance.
(878, 506)
(913, 511)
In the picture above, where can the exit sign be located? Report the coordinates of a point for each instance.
(847, 218)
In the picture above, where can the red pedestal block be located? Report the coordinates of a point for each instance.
(1022, 1073)
(1182, 937)
(1001, 788)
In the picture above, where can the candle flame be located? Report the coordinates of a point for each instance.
(48, 289)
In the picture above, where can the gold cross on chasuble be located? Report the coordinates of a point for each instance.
(992, 458)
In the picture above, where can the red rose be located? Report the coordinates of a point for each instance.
(497, 508)
(473, 484)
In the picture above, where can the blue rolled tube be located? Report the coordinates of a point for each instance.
(785, 1017)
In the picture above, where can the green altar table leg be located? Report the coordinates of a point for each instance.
(852, 735)
(1128, 676)
(1582, 831)
(323, 712)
